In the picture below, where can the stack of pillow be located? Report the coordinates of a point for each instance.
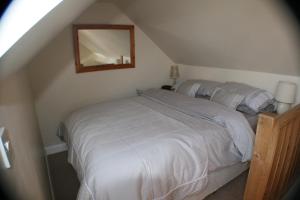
(238, 96)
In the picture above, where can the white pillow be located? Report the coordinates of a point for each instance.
(188, 88)
(228, 99)
(256, 99)
(207, 88)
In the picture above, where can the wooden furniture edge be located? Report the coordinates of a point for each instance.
(275, 155)
(81, 69)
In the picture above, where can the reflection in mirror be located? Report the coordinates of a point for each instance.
(103, 47)
(99, 47)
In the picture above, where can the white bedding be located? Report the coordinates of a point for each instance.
(157, 146)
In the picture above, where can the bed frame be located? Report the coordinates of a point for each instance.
(275, 156)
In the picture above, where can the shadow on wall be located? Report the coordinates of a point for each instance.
(294, 8)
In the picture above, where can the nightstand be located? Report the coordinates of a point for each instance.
(167, 87)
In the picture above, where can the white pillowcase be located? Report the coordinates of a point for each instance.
(255, 99)
(228, 99)
(188, 88)
(207, 88)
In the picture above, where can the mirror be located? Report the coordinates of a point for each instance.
(103, 47)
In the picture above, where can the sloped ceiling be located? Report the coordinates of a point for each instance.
(42, 33)
(240, 34)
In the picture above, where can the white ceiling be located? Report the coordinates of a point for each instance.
(243, 34)
(42, 33)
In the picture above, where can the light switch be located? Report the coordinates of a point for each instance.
(4, 149)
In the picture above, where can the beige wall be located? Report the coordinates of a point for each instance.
(58, 90)
(254, 35)
(267, 81)
(27, 177)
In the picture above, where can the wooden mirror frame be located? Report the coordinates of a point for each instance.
(80, 68)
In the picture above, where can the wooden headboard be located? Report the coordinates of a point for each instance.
(275, 156)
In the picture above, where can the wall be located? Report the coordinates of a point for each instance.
(252, 35)
(267, 81)
(28, 176)
(58, 90)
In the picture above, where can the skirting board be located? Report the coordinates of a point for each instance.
(56, 148)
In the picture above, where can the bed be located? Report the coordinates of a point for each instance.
(160, 145)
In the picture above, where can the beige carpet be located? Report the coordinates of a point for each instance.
(65, 182)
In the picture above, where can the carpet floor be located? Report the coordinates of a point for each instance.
(65, 183)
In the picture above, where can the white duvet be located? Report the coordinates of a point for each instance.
(160, 145)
